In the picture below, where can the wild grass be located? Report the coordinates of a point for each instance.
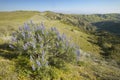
(90, 67)
(78, 37)
(10, 21)
(7, 70)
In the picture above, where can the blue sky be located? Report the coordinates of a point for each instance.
(65, 6)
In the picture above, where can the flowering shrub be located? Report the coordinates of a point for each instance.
(44, 47)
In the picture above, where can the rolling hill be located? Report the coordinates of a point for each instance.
(97, 35)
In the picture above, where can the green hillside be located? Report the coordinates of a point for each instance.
(97, 36)
(9, 20)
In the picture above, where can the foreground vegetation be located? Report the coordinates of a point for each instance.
(99, 47)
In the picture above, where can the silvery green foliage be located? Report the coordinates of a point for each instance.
(41, 45)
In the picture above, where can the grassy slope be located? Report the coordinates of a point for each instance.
(10, 21)
(78, 37)
(91, 67)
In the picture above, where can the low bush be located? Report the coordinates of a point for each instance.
(43, 48)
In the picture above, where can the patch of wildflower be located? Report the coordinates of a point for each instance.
(42, 45)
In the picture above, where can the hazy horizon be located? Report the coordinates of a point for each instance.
(61, 12)
(63, 6)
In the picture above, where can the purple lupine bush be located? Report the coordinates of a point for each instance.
(44, 47)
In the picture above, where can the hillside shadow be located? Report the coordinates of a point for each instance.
(109, 26)
(6, 52)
